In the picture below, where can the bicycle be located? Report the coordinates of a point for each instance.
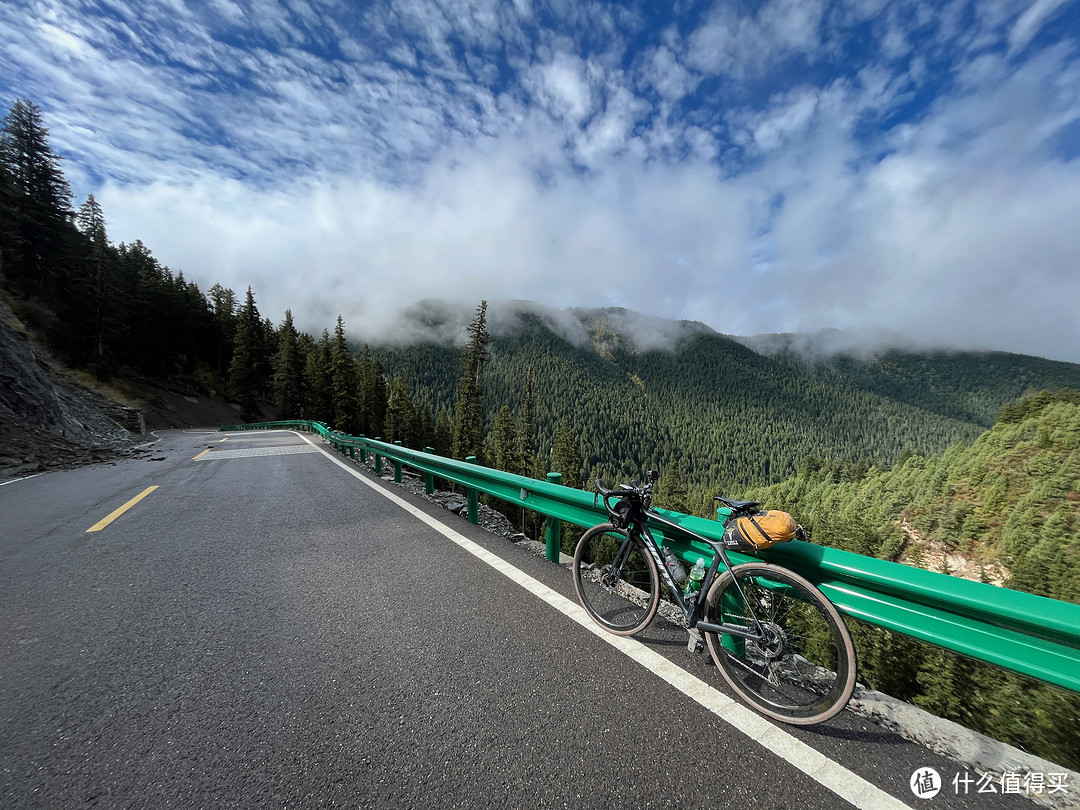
(775, 637)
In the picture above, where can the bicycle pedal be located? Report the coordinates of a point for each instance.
(695, 644)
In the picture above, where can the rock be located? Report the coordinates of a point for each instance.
(45, 413)
(457, 506)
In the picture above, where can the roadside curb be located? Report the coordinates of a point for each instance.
(967, 748)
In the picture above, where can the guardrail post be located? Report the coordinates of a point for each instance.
(397, 466)
(378, 458)
(731, 605)
(429, 479)
(474, 498)
(554, 526)
(363, 451)
(352, 452)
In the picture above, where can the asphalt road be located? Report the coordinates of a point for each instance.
(264, 630)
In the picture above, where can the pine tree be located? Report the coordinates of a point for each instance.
(96, 325)
(368, 396)
(42, 201)
(35, 168)
(443, 442)
(288, 370)
(425, 427)
(223, 305)
(505, 445)
(400, 413)
(242, 383)
(373, 395)
(526, 449)
(10, 236)
(317, 380)
(671, 493)
(469, 424)
(306, 348)
(91, 222)
(566, 459)
(566, 455)
(343, 383)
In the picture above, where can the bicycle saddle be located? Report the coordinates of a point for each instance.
(738, 506)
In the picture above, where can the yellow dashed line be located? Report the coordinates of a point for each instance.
(203, 453)
(105, 521)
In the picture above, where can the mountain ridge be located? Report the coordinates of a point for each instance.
(639, 391)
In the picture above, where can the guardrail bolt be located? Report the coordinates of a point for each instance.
(554, 525)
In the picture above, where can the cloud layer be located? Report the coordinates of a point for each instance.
(795, 166)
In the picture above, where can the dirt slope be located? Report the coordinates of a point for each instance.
(52, 418)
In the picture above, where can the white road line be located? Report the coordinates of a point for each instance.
(16, 480)
(847, 785)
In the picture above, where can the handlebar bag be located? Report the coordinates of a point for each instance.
(759, 531)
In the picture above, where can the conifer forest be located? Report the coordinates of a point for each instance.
(965, 462)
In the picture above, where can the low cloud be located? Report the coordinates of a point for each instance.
(757, 173)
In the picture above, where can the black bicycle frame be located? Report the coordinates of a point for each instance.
(693, 616)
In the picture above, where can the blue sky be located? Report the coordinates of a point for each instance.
(777, 166)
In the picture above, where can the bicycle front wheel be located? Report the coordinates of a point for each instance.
(802, 668)
(616, 580)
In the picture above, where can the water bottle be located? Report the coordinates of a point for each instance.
(693, 585)
(674, 567)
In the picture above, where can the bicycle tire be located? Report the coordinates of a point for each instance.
(804, 673)
(625, 604)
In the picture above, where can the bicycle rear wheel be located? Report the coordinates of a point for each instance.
(803, 670)
(616, 580)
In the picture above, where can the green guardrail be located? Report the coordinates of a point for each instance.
(1017, 631)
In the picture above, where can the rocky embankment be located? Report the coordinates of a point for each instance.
(47, 419)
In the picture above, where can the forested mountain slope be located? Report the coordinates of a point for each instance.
(970, 386)
(1010, 499)
(1009, 502)
(732, 417)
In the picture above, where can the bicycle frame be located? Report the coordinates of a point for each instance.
(694, 613)
(776, 639)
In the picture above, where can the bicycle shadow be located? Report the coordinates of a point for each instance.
(700, 664)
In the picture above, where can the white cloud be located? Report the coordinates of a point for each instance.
(961, 237)
(479, 226)
(574, 157)
(788, 121)
(663, 71)
(562, 85)
(1028, 24)
(741, 46)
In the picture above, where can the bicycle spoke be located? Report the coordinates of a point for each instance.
(801, 667)
(616, 580)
